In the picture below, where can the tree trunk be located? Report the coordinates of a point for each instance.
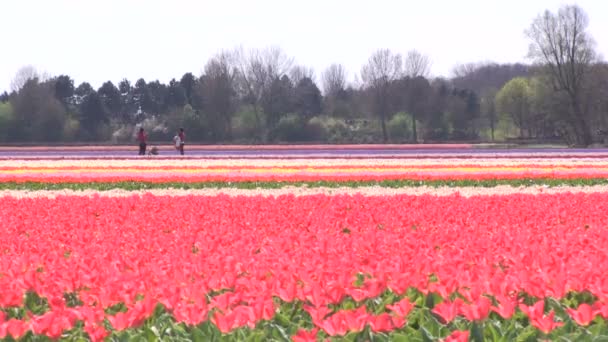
(383, 124)
(492, 128)
(414, 133)
(583, 132)
(228, 127)
(258, 124)
(586, 138)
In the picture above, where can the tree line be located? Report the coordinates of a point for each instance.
(263, 96)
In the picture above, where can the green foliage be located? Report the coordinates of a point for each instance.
(399, 127)
(436, 127)
(462, 110)
(37, 114)
(157, 130)
(351, 131)
(290, 128)
(244, 125)
(221, 106)
(337, 130)
(6, 117)
(64, 88)
(307, 98)
(136, 185)
(93, 117)
(514, 102)
(277, 101)
(315, 130)
(122, 133)
(70, 129)
(194, 122)
(422, 323)
(110, 96)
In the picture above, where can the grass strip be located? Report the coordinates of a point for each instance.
(137, 185)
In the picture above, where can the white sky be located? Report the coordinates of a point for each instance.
(96, 41)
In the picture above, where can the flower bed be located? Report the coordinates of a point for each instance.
(312, 267)
(420, 248)
(372, 170)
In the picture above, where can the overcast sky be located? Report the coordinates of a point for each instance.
(95, 40)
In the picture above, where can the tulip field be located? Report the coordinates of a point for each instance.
(417, 247)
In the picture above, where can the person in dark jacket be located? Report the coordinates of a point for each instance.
(142, 138)
(182, 140)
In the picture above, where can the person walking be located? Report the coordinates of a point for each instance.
(142, 138)
(182, 140)
(177, 142)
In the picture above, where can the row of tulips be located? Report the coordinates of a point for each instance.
(302, 173)
(73, 163)
(296, 160)
(315, 154)
(388, 317)
(294, 168)
(344, 267)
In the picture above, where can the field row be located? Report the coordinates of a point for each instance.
(298, 162)
(374, 191)
(299, 173)
(313, 266)
(310, 154)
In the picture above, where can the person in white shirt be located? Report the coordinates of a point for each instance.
(178, 142)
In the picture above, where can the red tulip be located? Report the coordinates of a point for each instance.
(600, 308)
(305, 336)
(535, 311)
(13, 327)
(345, 321)
(546, 324)
(476, 311)
(448, 310)
(381, 323)
(119, 321)
(243, 252)
(583, 315)
(401, 308)
(458, 336)
(505, 308)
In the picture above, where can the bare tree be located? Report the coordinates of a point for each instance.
(463, 70)
(417, 64)
(300, 72)
(25, 74)
(218, 93)
(381, 70)
(223, 63)
(560, 43)
(256, 70)
(334, 79)
(482, 75)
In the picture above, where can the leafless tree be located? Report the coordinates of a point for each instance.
(299, 72)
(334, 79)
(463, 70)
(218, 93)
(381, 70)
(223, 62)
(417, 64)
(560, 43)
(256, 69)
(482, 75)
(25, 74)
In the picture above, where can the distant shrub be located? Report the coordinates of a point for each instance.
(290, 128)
(244, 125)
(399, 127)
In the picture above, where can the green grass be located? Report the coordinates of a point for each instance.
(135, 185)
